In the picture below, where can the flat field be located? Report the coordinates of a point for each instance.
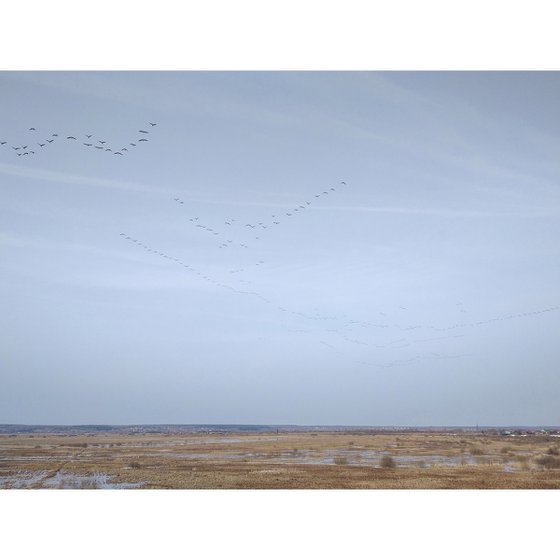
(299, 459)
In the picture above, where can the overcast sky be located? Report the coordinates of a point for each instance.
(423, 291)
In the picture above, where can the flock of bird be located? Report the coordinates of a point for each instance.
(235, 232)
(228, 236)
(37, 142)
(233, 227)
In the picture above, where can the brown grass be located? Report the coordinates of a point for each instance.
(271, 461)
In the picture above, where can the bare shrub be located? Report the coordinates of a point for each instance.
(505, 450)
(340, 460)
(474, 450)
(387, 462)
(134, 465)
(548, 461)
(553, 451)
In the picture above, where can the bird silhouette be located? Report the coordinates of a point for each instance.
(143, 140)
(144, 131)
(41, 144)
(71, 138)
(32, 128)
(153, 123)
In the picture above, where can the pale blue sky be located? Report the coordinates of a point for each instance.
(390, 285)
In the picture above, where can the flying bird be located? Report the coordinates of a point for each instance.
(89, 135)
(153, 123)
(144, 131)
(32, 128)
(118, 154)
(86, 144)
(50, 141)
(41, 144)
(102, 141)
(143, 140)
(71, 138)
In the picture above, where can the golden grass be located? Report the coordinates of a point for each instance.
(289, 460)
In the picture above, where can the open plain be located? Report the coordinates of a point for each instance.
(358, 459)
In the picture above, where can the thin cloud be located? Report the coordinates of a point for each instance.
(82, 180)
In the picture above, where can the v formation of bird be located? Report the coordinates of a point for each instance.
(37, 142)
(341, 327)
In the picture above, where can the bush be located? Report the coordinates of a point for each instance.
(548, 461)
(473, 450)
(340, 460)
(387, 462)
(134, 465)
(553, 451)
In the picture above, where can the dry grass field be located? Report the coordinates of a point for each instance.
(296, 459)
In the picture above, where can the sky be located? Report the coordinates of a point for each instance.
(411, 278)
